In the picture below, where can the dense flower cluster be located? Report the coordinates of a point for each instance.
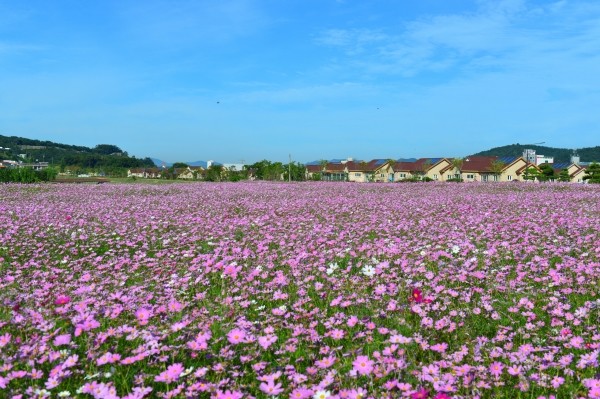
(300, 291)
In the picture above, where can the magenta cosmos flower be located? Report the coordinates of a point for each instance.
(62, 300)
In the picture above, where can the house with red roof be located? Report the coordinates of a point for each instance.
(377, 170)
(493, 168)
(423, 168)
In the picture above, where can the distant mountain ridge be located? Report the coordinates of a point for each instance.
(587, 154)
(107, 157)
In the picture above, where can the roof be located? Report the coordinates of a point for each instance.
(480, 163)
(420, 165)
(370, 166)
(335, 167)
(313, 168)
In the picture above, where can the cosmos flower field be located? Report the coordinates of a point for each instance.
(310, 290)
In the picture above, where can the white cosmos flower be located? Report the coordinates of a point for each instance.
(368, 270)
(322, 394)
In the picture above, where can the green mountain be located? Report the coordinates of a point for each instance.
(104, 157)
(587, 154)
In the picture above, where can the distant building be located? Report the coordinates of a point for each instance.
(540, 159)
(234, 167)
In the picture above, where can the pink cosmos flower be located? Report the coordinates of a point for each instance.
(143, 315)
(63, 339)
(337, 333)
(4, 340)
(62, 300)
(270, 388)
(496, 369)
(266, 341)
(174, 306)
(236, 336)
(229, 395)
(557, 381)
(171, 374)
(301, 393)
(363, 365)
(325, 362)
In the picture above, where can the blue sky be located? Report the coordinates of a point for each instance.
(231, 80)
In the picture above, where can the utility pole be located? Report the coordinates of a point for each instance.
(290, 169)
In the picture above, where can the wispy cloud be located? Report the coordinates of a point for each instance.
(497, 34)
(185, 22)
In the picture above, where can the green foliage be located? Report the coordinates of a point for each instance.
(214, 173)
(496, 167)
(563, 176)
(27, 175)
(531, 173)
(107, 149)
(298, 171)
(180, 165)
(592, 173)
(546, 172)
(267, 170)
(106, 157)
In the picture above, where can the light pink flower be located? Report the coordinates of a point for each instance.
(363, 365)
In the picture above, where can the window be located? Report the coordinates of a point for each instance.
(434, 177)
(382, 175)
(402, 175)
(470, 176)
(509, 177)
(357, 174)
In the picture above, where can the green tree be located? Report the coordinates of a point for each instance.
(323, 163)
(180, 165)
(546, 172)
(107, 149)
(458, 163)
(298, 171)
(592, 173)
(214, 173)
(496, 167)
(531, 173)
(564, 176)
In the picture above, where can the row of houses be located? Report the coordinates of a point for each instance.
(475, 168)
(187, 173)
(15, 164)
(470, 169)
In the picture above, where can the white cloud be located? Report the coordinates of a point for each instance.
(499, 34)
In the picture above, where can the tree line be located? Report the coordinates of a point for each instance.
(27, 175)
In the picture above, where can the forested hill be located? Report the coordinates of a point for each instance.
(587, 154)
(107, 156)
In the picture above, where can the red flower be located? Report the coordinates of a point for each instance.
(417, 295)
(420, 394)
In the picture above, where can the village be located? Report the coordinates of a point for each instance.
(528, 167)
